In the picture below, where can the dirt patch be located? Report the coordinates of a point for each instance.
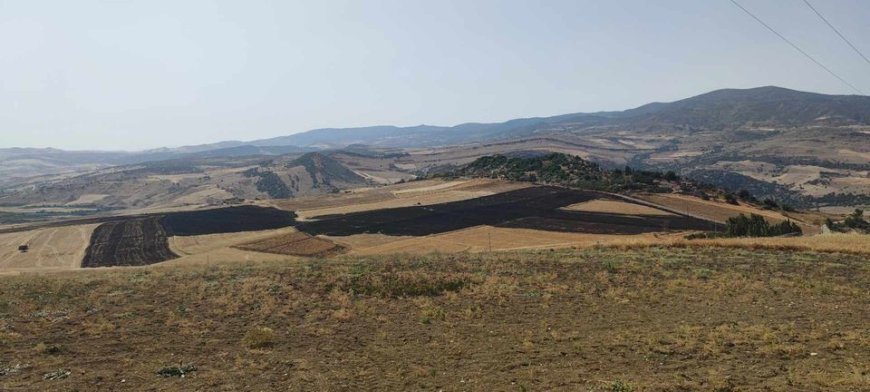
(139, 241)
(294, 244)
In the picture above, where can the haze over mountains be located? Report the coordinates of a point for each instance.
(770, 140)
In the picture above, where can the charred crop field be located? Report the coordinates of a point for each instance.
(136, 241)
(143, 240)
(532, 208)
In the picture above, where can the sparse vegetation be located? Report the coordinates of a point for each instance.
(854, 221)
(176, 371)
(270, 183)
(566, 170)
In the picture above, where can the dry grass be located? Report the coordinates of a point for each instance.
(615, 207)
(650, 319)
(486, 238)
(845, 243)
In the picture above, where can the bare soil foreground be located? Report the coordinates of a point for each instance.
(651, 319)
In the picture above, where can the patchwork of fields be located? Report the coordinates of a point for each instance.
(417, 217)
(537, 208)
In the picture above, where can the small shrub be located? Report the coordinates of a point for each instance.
(620, 386)
(43, 348)
(5, 371)
(730, 199)
(176, 371)
(59, 374)
(259, 338)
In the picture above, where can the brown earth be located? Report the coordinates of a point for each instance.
(293, 244)
(594, 320)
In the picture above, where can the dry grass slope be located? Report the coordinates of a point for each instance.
(650, 319)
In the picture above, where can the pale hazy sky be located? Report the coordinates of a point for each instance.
(143, 74)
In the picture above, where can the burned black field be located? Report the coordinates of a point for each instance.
(227, 220)
(143, 240)
(531, 208)
(136, 241)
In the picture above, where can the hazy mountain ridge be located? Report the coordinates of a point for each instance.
(803, 144)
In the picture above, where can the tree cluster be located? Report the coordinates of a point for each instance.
(755, 225)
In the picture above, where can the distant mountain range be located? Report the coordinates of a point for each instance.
(773, 139)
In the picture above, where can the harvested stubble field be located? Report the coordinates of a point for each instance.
(651, 319)
(49, 248)
(616, 207)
